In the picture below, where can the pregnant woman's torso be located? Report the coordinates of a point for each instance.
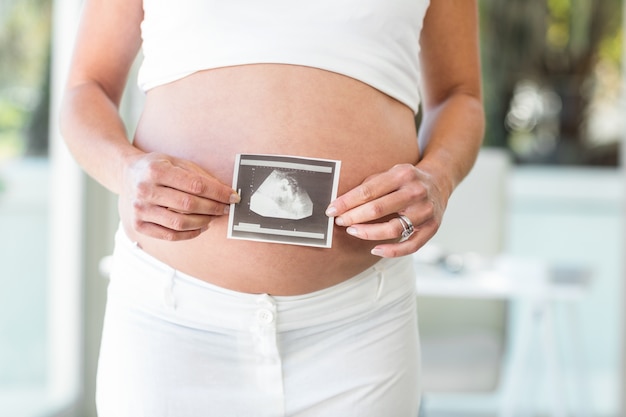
(210, 116)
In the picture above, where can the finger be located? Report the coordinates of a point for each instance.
(389, 204)
(170, 219)
(204, 186)
(388, 230)
(371, 189)
(394, 250)
(371, 197)
(163, 233)
(422, 234)
(164, 173)
(179, 201)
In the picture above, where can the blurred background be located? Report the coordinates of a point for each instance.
(545, 205)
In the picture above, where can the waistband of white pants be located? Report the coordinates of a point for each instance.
(149, 280)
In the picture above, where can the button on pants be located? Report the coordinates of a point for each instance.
(177, 346)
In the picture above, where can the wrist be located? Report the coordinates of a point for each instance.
(440, 175)
(127, 158)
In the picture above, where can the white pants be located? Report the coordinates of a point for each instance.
(176, 346)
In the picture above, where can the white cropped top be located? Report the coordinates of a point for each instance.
(374, 41)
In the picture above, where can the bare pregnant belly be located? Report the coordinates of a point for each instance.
(211, 116)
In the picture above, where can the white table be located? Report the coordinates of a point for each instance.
(535, 287)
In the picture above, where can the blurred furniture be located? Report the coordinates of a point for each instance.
(481, 312)
(534, 288)
(463, 337)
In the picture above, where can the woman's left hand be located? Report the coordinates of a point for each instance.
(372, 210)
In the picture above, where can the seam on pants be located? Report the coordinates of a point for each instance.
(380, 275)
(169, 299)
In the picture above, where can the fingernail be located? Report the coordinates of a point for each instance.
(339, 221)
(331, 211)
(234, 198)
(352, 231)
(226, 209)
(377, 252)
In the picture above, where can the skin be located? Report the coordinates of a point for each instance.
(173, 180)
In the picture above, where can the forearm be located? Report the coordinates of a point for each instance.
(95, 134)
(451, 135)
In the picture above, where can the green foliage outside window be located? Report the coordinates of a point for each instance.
(24, 76)
(553, 80)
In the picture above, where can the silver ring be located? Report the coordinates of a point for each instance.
(407, 227)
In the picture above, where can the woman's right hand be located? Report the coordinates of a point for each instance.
(170, 198)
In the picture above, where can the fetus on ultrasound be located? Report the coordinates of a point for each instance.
(280, 196)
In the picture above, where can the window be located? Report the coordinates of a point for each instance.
(553, 82)
(24, 107)
(40, 215)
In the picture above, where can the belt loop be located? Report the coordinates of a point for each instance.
(380, 275)
(168, 291)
